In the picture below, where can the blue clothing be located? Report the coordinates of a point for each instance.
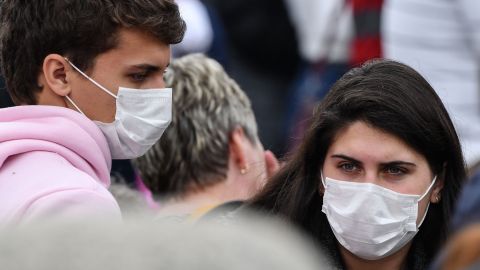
(468, 205)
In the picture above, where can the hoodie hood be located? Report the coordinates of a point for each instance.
(55, 129)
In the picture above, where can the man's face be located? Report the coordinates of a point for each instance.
(138, 61)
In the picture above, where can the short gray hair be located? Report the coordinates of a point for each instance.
(194, 150)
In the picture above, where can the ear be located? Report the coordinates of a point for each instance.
(436, 194)
(238, 150)
(56, 73)
(321, 188)
(271, 163)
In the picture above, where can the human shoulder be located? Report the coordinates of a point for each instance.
(76, 204)
(44, 184)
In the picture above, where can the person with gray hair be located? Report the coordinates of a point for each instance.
(210, 154)
(253, 244)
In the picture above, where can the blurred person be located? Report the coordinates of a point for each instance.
(86, 94)
(131, 201)
(262, 57)
(333, 35)
(210, 153)
(199, 33)
(367, 40)
(376, 177)
(467, 210)
(252, 244)
(324, 31)
(205, 31)
(463, 250)
(441, 39)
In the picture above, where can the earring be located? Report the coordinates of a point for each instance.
(244, 170)
(437, 198)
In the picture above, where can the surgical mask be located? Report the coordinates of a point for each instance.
(368, 220)
(141, 117)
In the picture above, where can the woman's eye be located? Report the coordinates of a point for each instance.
(348, 167)
(394, 170)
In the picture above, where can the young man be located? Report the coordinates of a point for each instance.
(93, 71)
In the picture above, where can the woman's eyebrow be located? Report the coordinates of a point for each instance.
(346, 158)
(398, 162)
(389, 163)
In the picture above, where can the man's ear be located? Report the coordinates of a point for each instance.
(56, 73)
(237, 149)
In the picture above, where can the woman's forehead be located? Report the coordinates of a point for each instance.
(366, 143)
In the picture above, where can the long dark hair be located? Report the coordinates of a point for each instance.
(396, 99)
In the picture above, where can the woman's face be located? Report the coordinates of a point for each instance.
(361, 153)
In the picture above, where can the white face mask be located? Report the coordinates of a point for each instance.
(141, 117)
(371, 221)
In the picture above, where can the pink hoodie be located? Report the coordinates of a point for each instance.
(54, 163)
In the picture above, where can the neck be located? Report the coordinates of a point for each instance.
(234, 187)
(396, 261)
(193, 200)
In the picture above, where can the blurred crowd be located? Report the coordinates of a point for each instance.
(209, 134)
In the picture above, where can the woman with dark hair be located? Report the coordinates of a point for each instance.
(380, 161)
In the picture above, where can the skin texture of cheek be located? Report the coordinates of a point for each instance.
(93, 101)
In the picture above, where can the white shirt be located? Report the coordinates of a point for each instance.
(441, 40)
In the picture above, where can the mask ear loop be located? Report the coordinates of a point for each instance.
(323, 180)
(428, 189)
(74, 105)
(90, 79)
(428, 205)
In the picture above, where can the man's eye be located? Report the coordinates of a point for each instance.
(139, 77)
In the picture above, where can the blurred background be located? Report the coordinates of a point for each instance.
(286, 54)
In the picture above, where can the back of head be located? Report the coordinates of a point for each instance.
(254, 245)
(194, 150)
(79, 30)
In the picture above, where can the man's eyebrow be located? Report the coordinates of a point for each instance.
(147, 67)
(346, 158)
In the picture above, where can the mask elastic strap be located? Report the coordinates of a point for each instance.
(323, 181)
(74, 105)
(90, 79)
(428, 205)
(428, 190)
(424, 215)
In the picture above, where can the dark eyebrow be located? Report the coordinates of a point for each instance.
(147, 67)
(346, 158)
(398, 162)
(390, 163)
